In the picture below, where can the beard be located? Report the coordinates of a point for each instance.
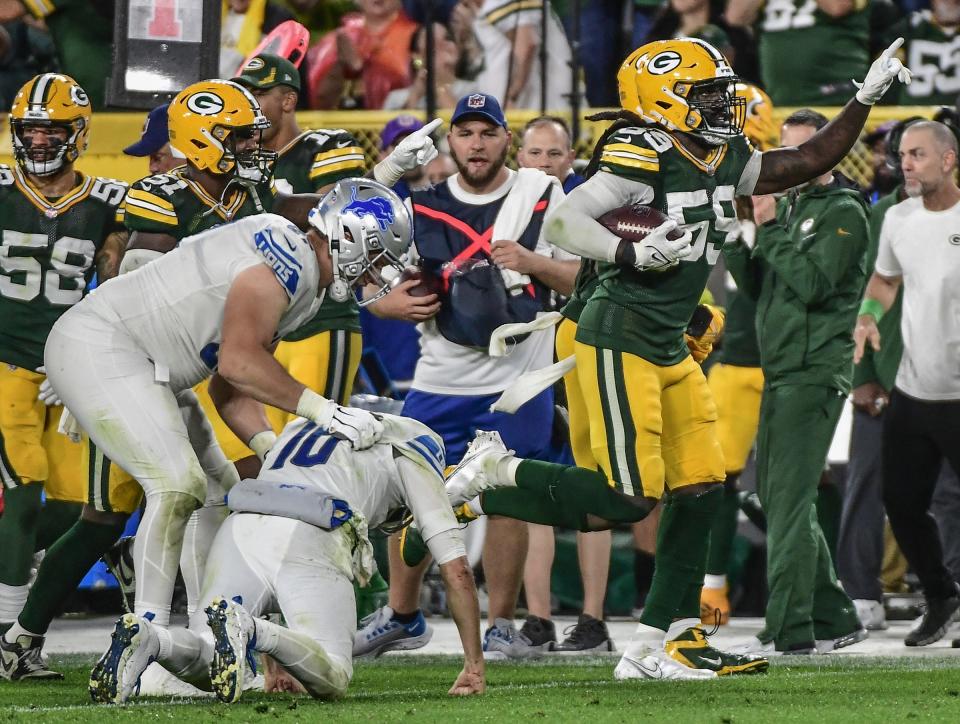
(913, 188)
(481, 179)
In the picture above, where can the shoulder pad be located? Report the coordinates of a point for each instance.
(151, 199)
(6, 175)
(632, 151)
(278, 242)
(109, 190)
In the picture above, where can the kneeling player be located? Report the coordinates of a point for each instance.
(288, 546)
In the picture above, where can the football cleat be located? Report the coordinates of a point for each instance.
(470, 478)
(119, 559)
(381, 632)
(691, 648)
(234, 634)
(22, 660)
(503, 641)
(714, 606)
(586, 635)
(657, 665)
(132, 646)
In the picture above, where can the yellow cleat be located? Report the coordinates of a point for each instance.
(692, 649)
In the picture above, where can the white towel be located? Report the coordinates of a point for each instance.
(514, 216)
(498, 340)
(529, 385)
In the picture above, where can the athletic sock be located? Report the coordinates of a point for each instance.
(15, 631)
(18, 533)
(56, 518)
(829, 508)
(406, 617)
(66, 563)
(681, 558)
(12, 599)
(679, 626)
(724, 528)
(645, 640)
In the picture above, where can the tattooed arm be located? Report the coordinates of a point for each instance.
(110, 255)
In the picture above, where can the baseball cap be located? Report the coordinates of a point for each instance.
(399, 126)
(154, 134)
(266, 71)
(480, 105)
(879, 132)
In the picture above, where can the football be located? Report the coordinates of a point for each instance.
(429, 284)
(634, 222)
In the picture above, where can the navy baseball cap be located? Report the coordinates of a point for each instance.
(154, 134)
(479, 106)
(399, 126)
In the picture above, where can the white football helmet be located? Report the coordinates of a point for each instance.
(369, 232)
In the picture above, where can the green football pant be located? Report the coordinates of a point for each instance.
(805, 603)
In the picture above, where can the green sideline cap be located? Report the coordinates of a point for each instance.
(267, 71)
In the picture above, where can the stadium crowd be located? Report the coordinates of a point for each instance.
(773, 333)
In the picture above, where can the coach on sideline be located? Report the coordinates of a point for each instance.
(920, 249)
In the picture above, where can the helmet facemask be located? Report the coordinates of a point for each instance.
(252, 163)
(377, 266)
(49, 160)
(716, 113)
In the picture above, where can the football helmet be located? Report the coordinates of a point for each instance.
(759, 125)
(369, 232)
(51, 100)
(683, 85)
(207, 120)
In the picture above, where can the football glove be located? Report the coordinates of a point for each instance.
(359, 427)
(46, 394)
(881, 75)
(704, 329)
(657, 253)
(415, 150)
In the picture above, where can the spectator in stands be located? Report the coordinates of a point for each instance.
(243, 23)
(155, 143)
(26, 50)
(809, 51)
(511, 37)
(546, 144)
(446, 62)
(692, 19)
(885, 176)
(930, 49)
(82, 33)
(918, 252)
(358, 64)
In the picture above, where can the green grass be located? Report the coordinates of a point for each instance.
(823, 689)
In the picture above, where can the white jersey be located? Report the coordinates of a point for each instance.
(923, 247)
(173, 307)
(376, 482)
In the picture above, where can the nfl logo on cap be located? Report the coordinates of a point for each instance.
(476, 101)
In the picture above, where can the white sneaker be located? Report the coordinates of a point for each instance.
(871, 614)
(469, 479)
(233, 629)
(657, 665)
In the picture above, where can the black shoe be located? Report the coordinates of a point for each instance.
(22, 660)
(587, 634)
(935, 622)
(541, 633)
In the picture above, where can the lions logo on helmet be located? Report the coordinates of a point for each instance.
(368, 230)
(683, 85)
(207, 120)
(52, 100)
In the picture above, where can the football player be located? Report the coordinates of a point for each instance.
(294, 547)
(676, 144)
(736, 381)
(59, 226)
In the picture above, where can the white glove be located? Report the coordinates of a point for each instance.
(359, 427)
(881, 75)
(656, 252)
(417, 149)
(46, 394)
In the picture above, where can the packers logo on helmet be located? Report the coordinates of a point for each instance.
(49, 101)
(212, 124)
(683, 85)
(759, 125)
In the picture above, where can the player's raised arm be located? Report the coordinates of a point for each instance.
(784, 168)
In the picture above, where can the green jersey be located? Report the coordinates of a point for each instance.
(311, 161)
(646, 313)
(583, 288)
(173, 203)
(932, 52)
(809, 58)
(46, 255)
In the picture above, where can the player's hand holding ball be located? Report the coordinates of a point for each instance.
(657, 243)
(414, 298)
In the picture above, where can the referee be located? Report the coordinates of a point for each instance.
(920, 249)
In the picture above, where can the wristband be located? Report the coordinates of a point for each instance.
(315, 407)
(262, 442)
(872, 308)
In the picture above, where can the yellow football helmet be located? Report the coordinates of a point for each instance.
(208, 120)
(683, 85)
(51, 100)
(759, 125)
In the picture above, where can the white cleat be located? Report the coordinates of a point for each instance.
(657, 665)
(133, 647)
(470, 478)
(233, 629)
(157, 681)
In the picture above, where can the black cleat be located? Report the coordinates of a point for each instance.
(586, 635)
(22, 660)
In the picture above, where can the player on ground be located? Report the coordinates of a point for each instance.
(288, 551)
(676, 145)
(58, 227)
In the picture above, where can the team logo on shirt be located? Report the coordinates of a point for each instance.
(806, 225)
(205, 103)
(955, 239)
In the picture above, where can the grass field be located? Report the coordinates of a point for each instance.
(822, 689)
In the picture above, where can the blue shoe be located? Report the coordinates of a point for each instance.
(133, 647)
(234, 635)
(503, 641)
(380, 633)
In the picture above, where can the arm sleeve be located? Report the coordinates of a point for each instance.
(544, 247)
(428, 503)
(887, 263)
(814, 273)
(573, 225)
(751, 172)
